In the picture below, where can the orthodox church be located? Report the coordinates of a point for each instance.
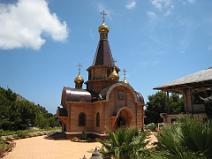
(107, 103)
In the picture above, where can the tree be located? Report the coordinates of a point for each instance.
(17, 113)
(160, 103)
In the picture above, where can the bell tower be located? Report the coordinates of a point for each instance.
(103, 71)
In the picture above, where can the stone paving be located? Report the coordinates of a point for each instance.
(43, 148)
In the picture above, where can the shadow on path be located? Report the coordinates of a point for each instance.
(56, 136)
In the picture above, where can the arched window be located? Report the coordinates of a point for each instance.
(97, 119)
(82, 119)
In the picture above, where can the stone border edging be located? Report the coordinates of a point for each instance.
(11, 145)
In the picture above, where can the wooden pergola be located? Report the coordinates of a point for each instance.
(191, 86)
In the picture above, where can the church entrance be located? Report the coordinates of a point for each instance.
(121, 122)
(123, 118)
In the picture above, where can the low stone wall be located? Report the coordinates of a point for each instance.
(25, 135)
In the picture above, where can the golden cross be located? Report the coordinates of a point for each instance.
(103, 13)
(114, 61)
(79, 68)
(124, 70)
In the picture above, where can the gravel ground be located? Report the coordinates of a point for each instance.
(43, 148)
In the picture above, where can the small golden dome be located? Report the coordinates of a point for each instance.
(125, 81)
(103, 28)
(79, 79)
(114, 76)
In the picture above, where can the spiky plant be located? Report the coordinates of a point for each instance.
(125, 144)
(197, 136)
(189, 139)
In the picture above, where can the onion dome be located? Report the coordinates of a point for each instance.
(103, 28)
(114, 76)
(125, 79)
(78, 79)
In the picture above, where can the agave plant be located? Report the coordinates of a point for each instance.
(125, 144)
(188, 139)
(197, 136)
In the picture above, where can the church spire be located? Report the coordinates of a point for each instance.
(103, 53)
(103, 73)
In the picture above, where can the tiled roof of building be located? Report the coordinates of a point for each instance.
(201, 76)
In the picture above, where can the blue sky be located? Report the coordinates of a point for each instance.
(157, 41)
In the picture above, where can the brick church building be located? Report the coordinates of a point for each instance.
(106, 104)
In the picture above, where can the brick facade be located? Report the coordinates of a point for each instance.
(106, 104)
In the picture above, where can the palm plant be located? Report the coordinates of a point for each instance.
(125, 144)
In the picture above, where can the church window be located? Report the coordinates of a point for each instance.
(97, 119)
(82, 119)
(89, 75)
(108, 73)
(121, 95)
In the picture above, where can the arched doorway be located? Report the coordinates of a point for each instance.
(121, 122)
(123, 118)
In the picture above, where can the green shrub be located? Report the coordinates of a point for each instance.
(21, 134)
(83, 136)
(197, 136)
(6, 132)
(188, 139)
(151, 126)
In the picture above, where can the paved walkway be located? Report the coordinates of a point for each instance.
(42, 148)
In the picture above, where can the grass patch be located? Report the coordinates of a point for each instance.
(6, 132)
(28, 133)
(2, 144)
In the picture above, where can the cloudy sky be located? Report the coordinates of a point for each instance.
(157, 41)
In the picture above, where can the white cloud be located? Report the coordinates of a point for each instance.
(191, 1)
(185, 2)
(160, 4)
(151, 14)
(152, 63)
(164, 6)
(130, 4)
(23, 25)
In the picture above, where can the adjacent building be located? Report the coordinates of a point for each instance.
(194, 88)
